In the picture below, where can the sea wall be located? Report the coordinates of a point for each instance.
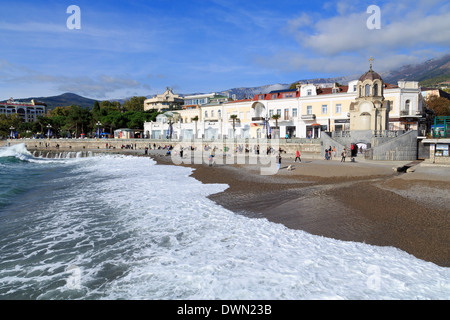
(401, 148)
(289, 148)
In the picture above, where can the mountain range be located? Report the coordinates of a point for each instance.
(429, 73)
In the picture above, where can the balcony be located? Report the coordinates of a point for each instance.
(410, 113)
(308, 116)
(254, 119)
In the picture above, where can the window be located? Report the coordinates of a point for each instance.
(286, 114)
(309, 110)
(309, 92)
(270, 113)
(375, 89)
(367, 90)
(407, 103)
(274, 96)
(206, 114)
(279, 112)
(338, 108)
(324, 109)
(248, 115)
(219, 114)
(241, 115)
(354, 87)
(261, 97)
(212, 113)
(294, 112)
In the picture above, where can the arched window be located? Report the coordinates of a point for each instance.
(407, 103)
(375, 89)
(219, 114)
(367, 90)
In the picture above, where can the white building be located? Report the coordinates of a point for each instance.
(166, 101)
(28, 111)
(303, 112)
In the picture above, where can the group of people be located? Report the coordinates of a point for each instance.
(330, 153)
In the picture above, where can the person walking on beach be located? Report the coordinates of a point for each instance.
(298, 157)
(279, 161)
(343, 154)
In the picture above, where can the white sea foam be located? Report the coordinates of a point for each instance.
(142, 231)
(191, 248)
(19, 151)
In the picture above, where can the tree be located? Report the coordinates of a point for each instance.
(294, 85)
(6, 122)
(440, 105)
(96, 112)
(59, 111)
(134, 104)
(79, 117)
(114, 120)
(107, 106)
(234, 118)
(276, 116)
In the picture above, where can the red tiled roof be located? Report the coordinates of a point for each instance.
(342, 89)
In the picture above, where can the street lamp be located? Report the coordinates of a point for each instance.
(48, 131)
(98, 129)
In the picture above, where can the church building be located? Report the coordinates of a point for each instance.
(369, 111)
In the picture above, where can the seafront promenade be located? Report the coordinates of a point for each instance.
(310, 148)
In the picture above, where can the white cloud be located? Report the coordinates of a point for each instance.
(342, 44)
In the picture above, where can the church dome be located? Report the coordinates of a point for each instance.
(370, 75)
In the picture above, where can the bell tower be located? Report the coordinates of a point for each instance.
(369, 110)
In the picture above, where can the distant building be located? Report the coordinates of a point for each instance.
(164, 102)
(124, 134)
(204, 99)
(28, 111)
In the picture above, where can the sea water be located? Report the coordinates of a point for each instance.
(122, 227)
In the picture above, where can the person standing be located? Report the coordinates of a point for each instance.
(298, 157)
(334, 152)
(343, 154)
(279, 161)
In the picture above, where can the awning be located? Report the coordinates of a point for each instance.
(316, 124)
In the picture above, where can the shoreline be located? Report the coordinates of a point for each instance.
(361, 202)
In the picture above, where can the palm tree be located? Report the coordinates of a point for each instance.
(276, 116)
(234, 118)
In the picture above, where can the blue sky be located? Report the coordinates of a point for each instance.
(127, 48)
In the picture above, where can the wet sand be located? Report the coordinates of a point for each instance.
(364, 202)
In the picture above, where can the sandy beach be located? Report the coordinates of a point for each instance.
(353, 201)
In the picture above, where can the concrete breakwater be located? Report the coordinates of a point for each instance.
(138, 146)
